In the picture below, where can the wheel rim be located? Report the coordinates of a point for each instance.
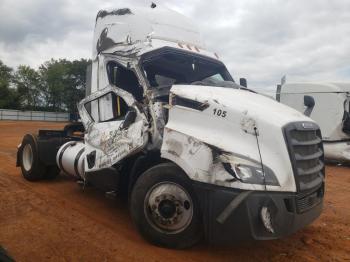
(168, 207)
(27, 157)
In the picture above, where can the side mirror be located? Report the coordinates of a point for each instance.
(129, 118)
(243, 82)
(309, 102)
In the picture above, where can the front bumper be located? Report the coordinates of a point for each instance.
(289, 212)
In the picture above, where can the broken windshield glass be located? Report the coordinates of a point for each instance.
(164, 69)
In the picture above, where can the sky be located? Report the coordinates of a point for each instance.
(258, 40)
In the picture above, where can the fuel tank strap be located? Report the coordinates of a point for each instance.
(76, 161)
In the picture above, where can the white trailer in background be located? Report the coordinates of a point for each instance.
(328, 105)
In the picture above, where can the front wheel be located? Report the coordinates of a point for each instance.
(165, 209)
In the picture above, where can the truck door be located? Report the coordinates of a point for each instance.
(115, 127)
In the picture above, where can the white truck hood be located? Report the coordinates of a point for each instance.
(248, 103)
(232, 131)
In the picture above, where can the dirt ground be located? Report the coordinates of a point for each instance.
(58, 221)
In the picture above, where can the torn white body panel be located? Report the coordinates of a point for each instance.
(242, 112)
(131, 29)
(200, 161)
(109, 141)
(113, 143)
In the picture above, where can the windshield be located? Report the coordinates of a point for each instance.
(172, 67)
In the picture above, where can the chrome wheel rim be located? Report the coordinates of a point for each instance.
(168, 207)
(27, 157)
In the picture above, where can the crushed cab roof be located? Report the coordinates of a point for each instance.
(131, 30)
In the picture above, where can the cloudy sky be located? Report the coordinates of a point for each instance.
(259, 40)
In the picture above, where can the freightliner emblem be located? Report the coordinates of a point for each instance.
(307, 125)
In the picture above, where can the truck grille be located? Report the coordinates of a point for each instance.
(308, 200)
(305, 148)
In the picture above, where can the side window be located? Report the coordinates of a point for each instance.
(110, 107)
(124, 79)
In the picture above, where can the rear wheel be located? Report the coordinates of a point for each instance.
(32, 168)
(52, 172)
(164, 207)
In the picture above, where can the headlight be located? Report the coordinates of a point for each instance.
(249, 171)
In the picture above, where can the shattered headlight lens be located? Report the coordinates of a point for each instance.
(250, 172)
(255, 175)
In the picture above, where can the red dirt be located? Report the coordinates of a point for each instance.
(59, 221)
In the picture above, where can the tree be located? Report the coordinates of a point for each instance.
(57, 85)
(28, 83)
(8, 95)
(54, 75)
(63, 83)
(75, 89)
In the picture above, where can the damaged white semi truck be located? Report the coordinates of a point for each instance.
(196, 154)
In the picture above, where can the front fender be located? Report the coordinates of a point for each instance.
(192, 155)
(19, 148)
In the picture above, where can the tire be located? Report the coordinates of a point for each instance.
(32, 168)
(164, 207)
(52, 172)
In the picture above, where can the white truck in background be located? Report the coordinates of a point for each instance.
(196, 155)
(327, 104)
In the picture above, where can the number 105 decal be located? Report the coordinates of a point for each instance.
(219, 112)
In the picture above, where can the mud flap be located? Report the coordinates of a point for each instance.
(4, 256)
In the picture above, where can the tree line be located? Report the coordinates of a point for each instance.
(57, 85)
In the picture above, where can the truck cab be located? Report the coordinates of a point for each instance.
(196, 154)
